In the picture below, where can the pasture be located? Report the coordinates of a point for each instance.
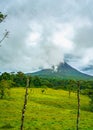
(50, 110)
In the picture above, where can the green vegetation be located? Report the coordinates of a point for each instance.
(52, 103)
(63, 71)
(4, 88)
(2, 17)
(9, 80)
(51, 110)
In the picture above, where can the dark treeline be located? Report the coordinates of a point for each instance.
(19, 80)
(8, 80)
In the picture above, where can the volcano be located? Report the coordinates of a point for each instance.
(62, 71)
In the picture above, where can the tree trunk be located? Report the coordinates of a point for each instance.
(24, 106)
(78, 107)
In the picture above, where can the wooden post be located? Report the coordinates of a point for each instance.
(78, 105)
(25, 104)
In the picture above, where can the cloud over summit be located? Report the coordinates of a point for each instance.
(43, 33)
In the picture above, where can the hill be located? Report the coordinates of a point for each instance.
(62, 71)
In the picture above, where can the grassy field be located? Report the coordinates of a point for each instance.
(51, 110)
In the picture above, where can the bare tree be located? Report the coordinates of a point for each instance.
(78, 105)
(2, 17)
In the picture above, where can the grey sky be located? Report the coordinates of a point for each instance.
(46, 32)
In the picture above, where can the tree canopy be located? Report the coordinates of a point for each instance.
(2, 17)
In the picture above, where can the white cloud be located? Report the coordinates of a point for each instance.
(43, 32)
(33, 38)
(62, 38)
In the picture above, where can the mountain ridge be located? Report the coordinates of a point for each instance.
(62, 71)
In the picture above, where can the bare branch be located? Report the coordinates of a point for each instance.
(5, 35)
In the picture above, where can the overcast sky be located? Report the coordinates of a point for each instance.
(46, 32)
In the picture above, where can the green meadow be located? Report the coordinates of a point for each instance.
(51, 110)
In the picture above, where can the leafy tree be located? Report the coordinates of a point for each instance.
(20, 79)
(90, 94)
(36, 81)
(4, 88)
(71, 86)
(5, 76)
(2, 17)
(87, 89)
